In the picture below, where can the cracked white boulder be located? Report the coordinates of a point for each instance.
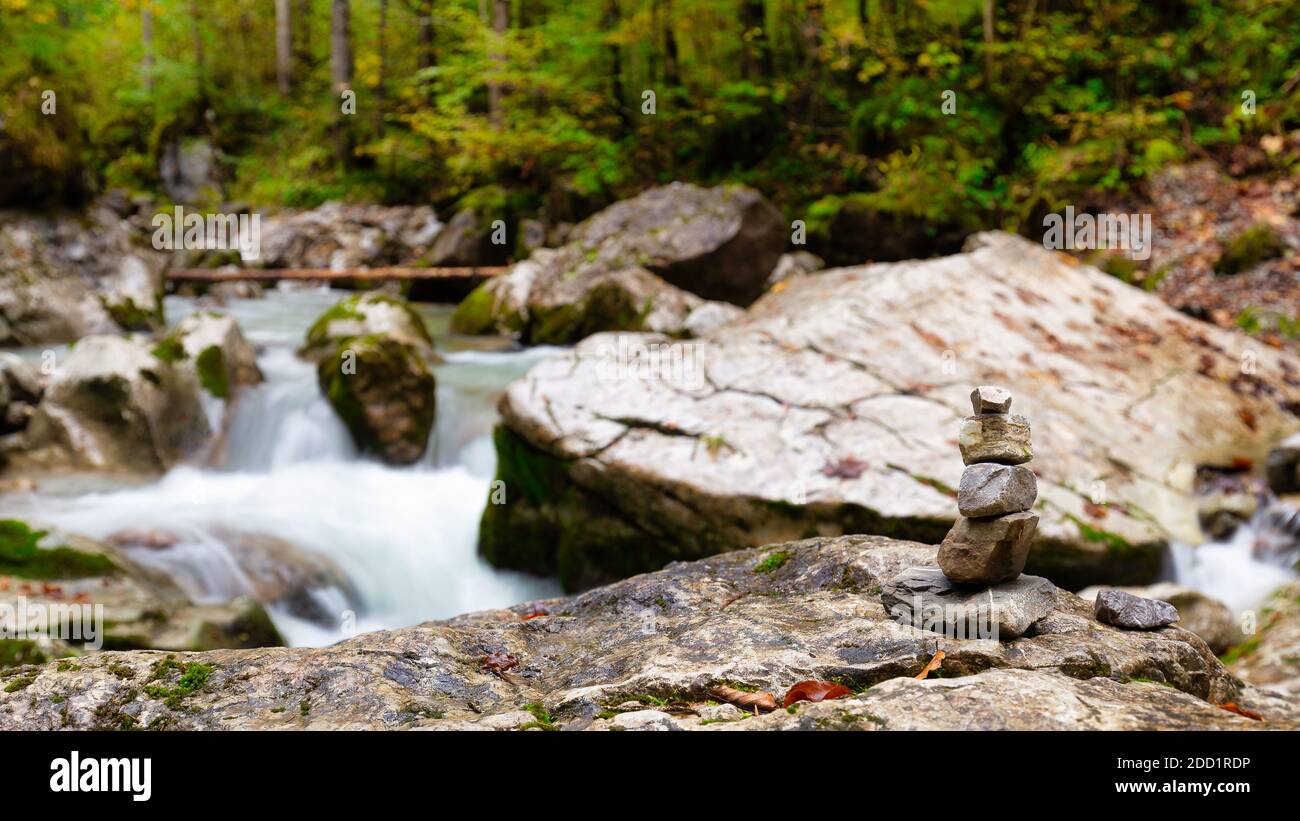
(832, 407)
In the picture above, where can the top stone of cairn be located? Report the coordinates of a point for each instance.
(988, 399)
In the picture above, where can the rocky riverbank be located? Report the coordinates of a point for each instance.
(666, 650)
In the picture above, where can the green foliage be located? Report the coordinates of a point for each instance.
(810, 101)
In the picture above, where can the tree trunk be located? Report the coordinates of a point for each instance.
(340, 45)
(196, 32)
(341, 73)
(670, 46)
(500, 23)
(381, 89)
(988, 43)
(757, 51)
(425, 57)
(283, 46)
(613, 20)
(146, 43)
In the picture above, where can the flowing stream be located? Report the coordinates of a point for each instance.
(404, 539)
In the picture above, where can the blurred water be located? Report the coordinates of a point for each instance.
(404, 538)
(1242, 570)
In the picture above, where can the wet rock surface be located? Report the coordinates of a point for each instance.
(758, 619)
(741, 437)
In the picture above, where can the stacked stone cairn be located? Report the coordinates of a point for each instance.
(990, 541)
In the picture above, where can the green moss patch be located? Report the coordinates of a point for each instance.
(21, 555)
(17, 652)
(773, 562)
(214, 376)
(1249, 248)
(192, 678)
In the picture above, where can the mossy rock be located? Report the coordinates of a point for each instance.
(478, 313)
(1256, 244)
(385, 394)
(363, 315)
(21, 555)
(132, 317)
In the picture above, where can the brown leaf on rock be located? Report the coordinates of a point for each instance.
(1234, 707)
(848, 467)
(498, 662)
(765, 702)
(933, 665)
(813, 690)
(1094, 510)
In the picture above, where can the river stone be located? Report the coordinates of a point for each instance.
(856, 362)
(988, 399)
(924, 597)
(368, 314)
(814, 611)
(987, 551)
(995, 437)
(1203, 615)
(703, 243)
(64, 276)
(143, 608)
(988, 489)
(1283, 467)
(114, 404)
(384, 392)
(1120, 609)
(214, 349)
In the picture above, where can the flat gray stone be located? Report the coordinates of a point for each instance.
(995, 437)
(1120, 609)
(988, 399)
(987, 551)
(923, 597)
(990, 489)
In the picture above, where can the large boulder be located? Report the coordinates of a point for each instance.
(114, 404)
(385, 394)
(65, 276)
(714, 243)
(21, 388)
(659, 645)
(212, 347)
(353, 235)
(142, 609)
(368, 314)
(830, 408)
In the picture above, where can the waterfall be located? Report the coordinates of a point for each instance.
(404, 540)
(1242, 570)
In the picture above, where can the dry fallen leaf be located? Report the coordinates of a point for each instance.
(1234, 707)
(765, 702)
(812, 690)
(933, 665)
(498, 662)
(848, 467)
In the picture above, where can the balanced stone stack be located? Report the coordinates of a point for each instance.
(990, 541)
